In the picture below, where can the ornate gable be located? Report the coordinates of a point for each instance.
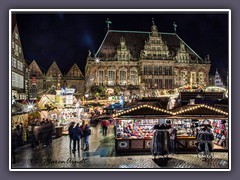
(182, 54)
(155, 47)
(75, 72)
(35, 70)
(123, 53)
(54, 70)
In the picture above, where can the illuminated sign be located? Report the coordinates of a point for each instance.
(69, 99)
(69, 91)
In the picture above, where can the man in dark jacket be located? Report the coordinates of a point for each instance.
(77, 135)
(70, 133)
(86, 134)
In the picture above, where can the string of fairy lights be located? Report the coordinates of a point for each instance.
(180, 111)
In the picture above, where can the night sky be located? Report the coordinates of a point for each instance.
(67, 37)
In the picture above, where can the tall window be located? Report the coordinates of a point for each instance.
(201, 78)
(14, 62)
(17, 80)
(133, 77)
(193, 78)
(156, 70)
(148, 83)
(100, 76)
(123, 77)
(170, 70)
(158, 84)
(176, 77)
(160, 70)
(168, 83)
(19, 65)
(183, 77)
(111, 78)
(148, 70)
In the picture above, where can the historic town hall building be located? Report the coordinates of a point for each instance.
(145, 63)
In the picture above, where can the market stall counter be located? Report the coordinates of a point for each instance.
(135, 136)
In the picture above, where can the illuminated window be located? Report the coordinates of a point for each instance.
(17, 80)
(123, 77)
(133, 77)
(100, 77)
(19, 65)
(111, 78)
(183, 77)
(14, 62)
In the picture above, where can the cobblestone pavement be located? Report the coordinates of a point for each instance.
(102, 155)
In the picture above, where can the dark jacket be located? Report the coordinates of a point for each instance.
(87, 131)
(70, 131)
(77, 133)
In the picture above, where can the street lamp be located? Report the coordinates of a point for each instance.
(97, 60)
(86, 96)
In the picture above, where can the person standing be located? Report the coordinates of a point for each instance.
(70, 134)
(105, 124)
(83, 138)
(173, 139)
(77, 135)
(86, 134)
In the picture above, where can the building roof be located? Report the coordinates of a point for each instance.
(199, 110)
(135, 41)
(143, 111)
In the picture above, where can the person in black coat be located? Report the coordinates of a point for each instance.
(77, 135)
(70, 134)
(173, 139)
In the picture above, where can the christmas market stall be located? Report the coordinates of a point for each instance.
(189, 119)
(134, 128)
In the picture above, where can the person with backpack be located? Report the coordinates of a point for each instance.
(86, 134)
(70, 133)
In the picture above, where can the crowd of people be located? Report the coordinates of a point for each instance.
(79, 135)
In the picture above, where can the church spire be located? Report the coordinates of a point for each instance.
(154, 29)
(175, 27)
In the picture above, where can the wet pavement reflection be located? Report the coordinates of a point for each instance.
(102, 155)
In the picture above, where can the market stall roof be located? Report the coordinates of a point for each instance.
(143, 111)
(46, 100)
(199, 110)
(160, 102)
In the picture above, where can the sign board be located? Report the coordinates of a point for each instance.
(69, 99)
(70, 91)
